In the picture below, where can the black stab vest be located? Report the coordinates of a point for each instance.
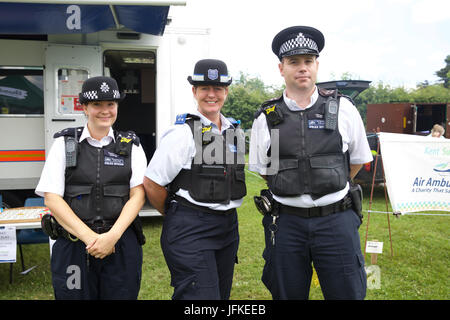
(98, 186)
(219, 179)
(311, 158)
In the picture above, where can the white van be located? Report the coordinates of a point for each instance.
(41, 75)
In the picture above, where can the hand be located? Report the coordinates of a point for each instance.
(102, 246)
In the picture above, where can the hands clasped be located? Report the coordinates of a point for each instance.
(102, 245)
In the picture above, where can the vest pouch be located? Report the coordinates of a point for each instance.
(79, 198)
(114, 198)
(238, 188)
(286, 182)
(329, 173)
(209, 183)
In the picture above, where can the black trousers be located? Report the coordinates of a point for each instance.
(330, 243)
(200, 250)
(77, 276)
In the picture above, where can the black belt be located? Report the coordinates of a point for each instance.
(339, 206)
(191, 205)
(100, 225)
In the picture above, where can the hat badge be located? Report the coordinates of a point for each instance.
(104, 87)
(213, 74)
(301, 38)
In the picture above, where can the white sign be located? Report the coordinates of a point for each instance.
(417, 171)
(373, 277)
(374, 247)
(8, 244)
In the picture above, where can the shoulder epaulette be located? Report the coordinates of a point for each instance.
(69, 132)
(327, 93)
(182, 118)
(124, 142)
(271, 102)
(267, 104)
(127, 137)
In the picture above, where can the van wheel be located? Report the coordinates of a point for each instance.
(11, 200)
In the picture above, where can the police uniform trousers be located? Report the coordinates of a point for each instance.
(200, 249)
(331, 243)
(80, 276)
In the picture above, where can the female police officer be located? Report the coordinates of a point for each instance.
(200, 160)
(92, 182)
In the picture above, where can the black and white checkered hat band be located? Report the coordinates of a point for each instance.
(90, 95)
(299, 42)
(94, 95)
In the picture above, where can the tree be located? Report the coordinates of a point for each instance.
(436, 93)
(245, 96)
(444, 73)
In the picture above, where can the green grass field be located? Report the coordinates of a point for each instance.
(419, 269)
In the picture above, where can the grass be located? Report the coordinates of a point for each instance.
(417, 271)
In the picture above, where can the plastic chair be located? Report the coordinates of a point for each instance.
(29, 236)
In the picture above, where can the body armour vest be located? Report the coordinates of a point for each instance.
(311, 158)
(97, 184)
(217, 170)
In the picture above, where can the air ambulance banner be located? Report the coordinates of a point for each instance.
(417, 172)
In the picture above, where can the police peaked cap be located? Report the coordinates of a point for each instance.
(100, 89)
(210, 72)
(298, 40)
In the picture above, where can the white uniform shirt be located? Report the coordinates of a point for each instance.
(176, 151)
(53, 175)
(354, 139)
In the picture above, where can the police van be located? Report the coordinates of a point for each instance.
(48, 48)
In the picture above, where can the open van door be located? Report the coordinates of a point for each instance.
(351, 88)
(66, 68)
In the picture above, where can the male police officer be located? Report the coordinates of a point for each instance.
(322, 145)
(200, 160)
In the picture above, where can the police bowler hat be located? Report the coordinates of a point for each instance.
(100, 89)
(210, 72)
(298, 40)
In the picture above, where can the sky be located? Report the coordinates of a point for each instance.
(397, 42)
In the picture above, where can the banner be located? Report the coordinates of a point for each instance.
(417, 172)
(43, 18)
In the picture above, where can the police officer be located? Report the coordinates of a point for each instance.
(322, 145)
(92, 183)
(196, 179)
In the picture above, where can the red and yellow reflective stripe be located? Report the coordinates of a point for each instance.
(22, 155)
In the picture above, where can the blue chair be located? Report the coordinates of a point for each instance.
(29, 236)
